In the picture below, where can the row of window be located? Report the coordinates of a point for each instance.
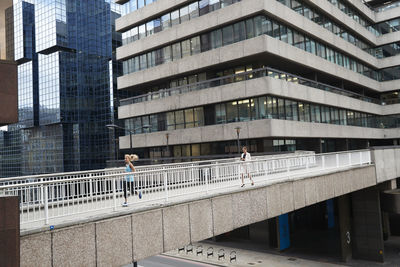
(351, 12)
(167, 20)
(133, 5)
(310, 13)
(239, 31)
(378, 29)
(387, 50)
(254, 109)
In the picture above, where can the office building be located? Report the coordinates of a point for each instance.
(66, 86)
(282, 75)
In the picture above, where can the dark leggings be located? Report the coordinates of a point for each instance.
(130, 186)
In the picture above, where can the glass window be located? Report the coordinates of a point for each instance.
(231, 112)
(184, 14)
(220, 114)
(330, 55)
(153, 123)
(295, 110)
(157, 25)
(315, 113)
(216, 39)
(167, 55)
(283, 33)
(258, 27)
(343, 117)
(140, 3)
(225, 3)
(275, 30)
(267, 26)
(204, 7)
(195, 45)
(149, 28)
(239, 31)
(288, 109)
(214, 5)
(176, 51)
(205, 40)
(166, 21)
(194, 10)
(321, 50)
(254, 110)
(281, 109)
(151, 59)
(170, 120)
(273, 107)
(143, 62)
(298, 40)
(244, 110)
(189, 118)
(185, 48)
(262, 105)
(198, 116)
(179, 119)
(175, 17)
(227, 35)
(249, 28)
(142, 31)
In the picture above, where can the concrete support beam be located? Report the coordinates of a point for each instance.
(367, 225)
(387, 162)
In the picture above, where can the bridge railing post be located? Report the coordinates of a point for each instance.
(41, 192)
(323, 161)
(90, 186)
(114, 192)
(206, 176)
(165, 184)
(349, 156)
(46, 205)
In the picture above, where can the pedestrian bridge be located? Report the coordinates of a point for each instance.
(77, 219)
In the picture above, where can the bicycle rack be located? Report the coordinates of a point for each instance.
(210, 252)
(232, 256)
(199, 250)
(221, 254)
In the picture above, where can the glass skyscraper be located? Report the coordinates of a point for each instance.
(66, 86)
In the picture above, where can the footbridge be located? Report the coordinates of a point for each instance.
(76, 219)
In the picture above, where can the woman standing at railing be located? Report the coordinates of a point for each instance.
(129, 182)
(246, 167)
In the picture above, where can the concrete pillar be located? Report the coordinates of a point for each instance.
(367, 235)
(345, 227)
(9, 232)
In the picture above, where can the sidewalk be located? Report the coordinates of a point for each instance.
(243, 257)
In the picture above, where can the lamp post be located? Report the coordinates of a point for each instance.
(238, 141)
(114, 126)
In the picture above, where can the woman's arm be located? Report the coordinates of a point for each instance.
(132, 167)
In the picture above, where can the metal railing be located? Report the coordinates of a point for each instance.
(43, 199)
(248, 75)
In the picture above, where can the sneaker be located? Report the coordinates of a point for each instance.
(140, 195)
(242, 185)
(124, 204)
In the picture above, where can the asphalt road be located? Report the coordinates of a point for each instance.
(165, 261)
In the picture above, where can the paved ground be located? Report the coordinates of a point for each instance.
(244, 257)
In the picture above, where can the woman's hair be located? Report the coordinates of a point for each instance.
(133, 157)
(244, 147)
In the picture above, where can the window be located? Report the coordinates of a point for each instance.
(195, 45)
(157, 25)
(298, 40)
(288, 109)
(142, 31)
(315, 113)
(189, 118)
(267, 26)
(227, 34)
(275, 30)
(258, 29)
(239, 31)
(249, 28)
(214, 5)
(185, 48)
(194, 10)
(254, 110)
(143, 62)
(321, 50)
(149, 28)
(176, 51)
(204, 7)
(244, 109)
(216, 39)
(262, 105)
(175, 17)
(166, 21)
(198, 116)
(231, 112)
(220, 113)
(167, 55)
(281, 109)
(184, 14)
(179, 119)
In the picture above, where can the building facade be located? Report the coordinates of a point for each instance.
(281, 75)
(67, 71)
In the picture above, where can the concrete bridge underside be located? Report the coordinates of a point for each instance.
(138, 234)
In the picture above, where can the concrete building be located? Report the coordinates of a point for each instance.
(312, 75)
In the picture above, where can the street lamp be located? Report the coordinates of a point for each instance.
(238, 141)
(114, 126)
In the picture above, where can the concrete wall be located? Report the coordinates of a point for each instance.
(120, 240)
(251, 47)
(251, 88)
(387, 162)
(251, 129)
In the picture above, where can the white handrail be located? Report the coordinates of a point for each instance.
(43, 200)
